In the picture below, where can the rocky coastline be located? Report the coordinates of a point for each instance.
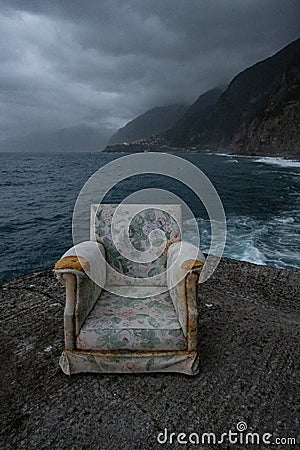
(157, 145)
(249, 360)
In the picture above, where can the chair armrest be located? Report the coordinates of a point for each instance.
(184, 257)
(184, 264)
(82, 269)
(87, 257)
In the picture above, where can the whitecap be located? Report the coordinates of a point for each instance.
(278, 161)
(285, 220)
(294, 174)
(220, 154)
(253, 255)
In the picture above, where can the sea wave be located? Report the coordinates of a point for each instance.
(229, 155)
(262, 205)
(273, 242)
(278, 161)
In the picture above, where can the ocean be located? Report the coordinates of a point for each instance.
(261, 198)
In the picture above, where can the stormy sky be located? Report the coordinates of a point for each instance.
(103, 62)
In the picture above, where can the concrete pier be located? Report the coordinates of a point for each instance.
(249, 370)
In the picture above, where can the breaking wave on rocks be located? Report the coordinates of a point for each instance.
(275, 242)
(281, 162)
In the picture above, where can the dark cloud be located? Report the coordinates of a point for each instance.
(101, 63)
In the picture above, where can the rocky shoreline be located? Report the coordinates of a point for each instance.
(249, 360)
(156, 145)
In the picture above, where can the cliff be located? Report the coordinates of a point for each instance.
(277, 128)
(184, 129)
(256, 114)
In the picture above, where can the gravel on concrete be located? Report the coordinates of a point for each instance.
(249, 370)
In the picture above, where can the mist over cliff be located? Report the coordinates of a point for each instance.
(258, 113)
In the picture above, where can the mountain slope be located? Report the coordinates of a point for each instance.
(184, 127)
(245, 99)
(154, 121)
(278, 125)
(76, 139)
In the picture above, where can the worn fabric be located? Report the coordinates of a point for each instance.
(95, 254)
(133, 323)
(178, 253)
(136, 242)
(147, 322)
(88, 285)
(182, 362)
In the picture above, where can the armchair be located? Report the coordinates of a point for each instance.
(126, 312)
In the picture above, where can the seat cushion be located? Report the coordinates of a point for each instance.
(132, 323)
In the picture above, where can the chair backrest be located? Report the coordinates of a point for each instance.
(140, 221)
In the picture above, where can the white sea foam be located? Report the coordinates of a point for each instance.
(264, 242)
(276, 161)
(221, 154)
(253, 254)
(285, 219)
(230, 155)
(281, 162)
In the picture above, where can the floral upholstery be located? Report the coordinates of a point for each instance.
(145, 321)
(118, 323)
(143, 226)
(138, 362)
